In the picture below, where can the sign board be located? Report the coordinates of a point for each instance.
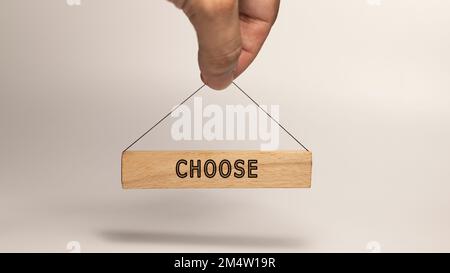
(216, 169)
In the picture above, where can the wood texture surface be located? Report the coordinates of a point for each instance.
(158, 169)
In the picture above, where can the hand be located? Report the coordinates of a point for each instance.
(230, 34)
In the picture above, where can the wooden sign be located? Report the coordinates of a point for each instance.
(216, 169)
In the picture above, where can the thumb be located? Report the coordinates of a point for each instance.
(219, 38)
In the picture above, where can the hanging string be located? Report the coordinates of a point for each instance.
(168, 114)
(276, 121)
(195, 92)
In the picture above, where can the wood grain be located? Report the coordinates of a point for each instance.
(157, 169)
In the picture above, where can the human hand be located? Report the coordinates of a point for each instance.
(230, 34)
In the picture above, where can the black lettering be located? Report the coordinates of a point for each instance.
(228, 173)
(214, 168)
(239, 168)
(252, 167)
(177, 168)
(195, 167)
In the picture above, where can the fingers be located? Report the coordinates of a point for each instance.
(257, 19)
(230, 35)
(178, 3)
(218, 32)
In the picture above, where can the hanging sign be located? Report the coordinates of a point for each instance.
(216, 169)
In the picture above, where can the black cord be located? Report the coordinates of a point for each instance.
(281, 126)
(190, 96)
(168, 114)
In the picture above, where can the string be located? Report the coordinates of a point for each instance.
(195, 92)
(276, 121)
(168, 114)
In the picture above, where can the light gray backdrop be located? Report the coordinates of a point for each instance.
(364, 83)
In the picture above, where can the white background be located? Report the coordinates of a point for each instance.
(365, 85)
